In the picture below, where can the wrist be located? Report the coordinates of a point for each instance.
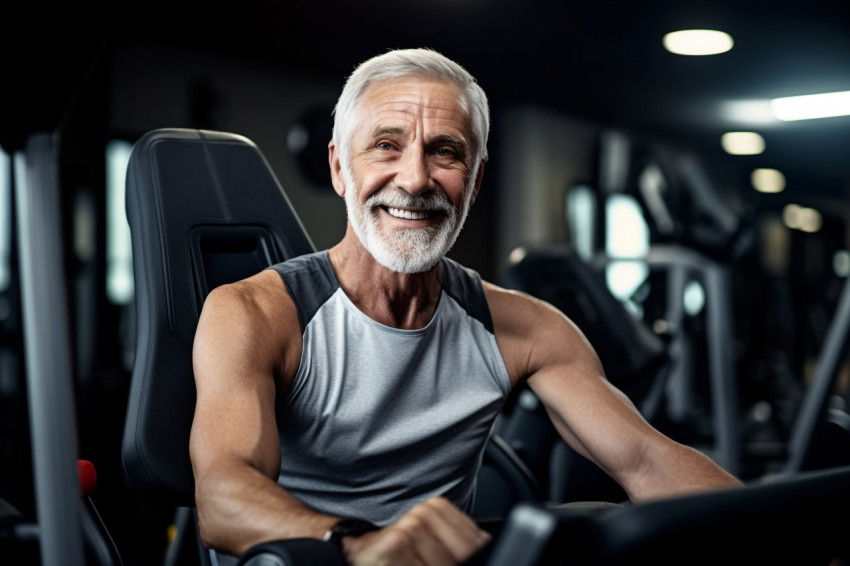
(348, 528)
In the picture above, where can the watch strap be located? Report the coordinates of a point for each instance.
(348, 528)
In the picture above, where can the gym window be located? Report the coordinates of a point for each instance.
(5, 221)
(626, 245)
(119, 257)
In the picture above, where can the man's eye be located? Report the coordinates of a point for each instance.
(384, 145)
(446, 152)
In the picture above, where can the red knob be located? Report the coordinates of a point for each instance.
(88, 476)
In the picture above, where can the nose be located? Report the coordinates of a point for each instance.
(413, 175)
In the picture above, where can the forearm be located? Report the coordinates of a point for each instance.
(679, 470)
(239, 507)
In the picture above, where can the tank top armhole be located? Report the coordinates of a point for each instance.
(309, 281)
(464, 286)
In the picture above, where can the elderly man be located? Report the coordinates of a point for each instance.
(349, 394)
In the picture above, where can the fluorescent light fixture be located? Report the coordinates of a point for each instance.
(698, 42)
(811, 106)
(768, 180)
(750, 113)
(742, 143)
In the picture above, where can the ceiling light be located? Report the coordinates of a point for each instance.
(751, 113)
(698, 42)
(802, 218)
(811, 106)
(742, 143)
(768, 180)
(517, 255)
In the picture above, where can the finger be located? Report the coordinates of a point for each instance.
(454, 529)
(457, 518)
(459, 521)
(419, 525)
(403, 543)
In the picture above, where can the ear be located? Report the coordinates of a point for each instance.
(336, 169)
(479, 175)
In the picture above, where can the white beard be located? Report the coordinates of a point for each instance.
(411, 250)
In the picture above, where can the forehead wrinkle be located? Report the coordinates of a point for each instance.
(425, 110)
(418, 104)
(391, 108)
(385, 117)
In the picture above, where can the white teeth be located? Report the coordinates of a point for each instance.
(407, 214)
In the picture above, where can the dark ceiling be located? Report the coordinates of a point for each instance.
(599, 60)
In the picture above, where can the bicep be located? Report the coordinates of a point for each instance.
(234, 366)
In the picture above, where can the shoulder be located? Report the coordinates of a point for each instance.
(273, 288)
(249, 325)
(532, 334)
(256, 311)
(259, 295)
(519, 309)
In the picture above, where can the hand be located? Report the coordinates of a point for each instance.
(434, 532)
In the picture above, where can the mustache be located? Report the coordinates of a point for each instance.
(397, 198)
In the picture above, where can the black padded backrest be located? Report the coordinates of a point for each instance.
(204, 209)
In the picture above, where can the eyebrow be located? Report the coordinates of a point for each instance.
(387, 131)
(460, 144)
(447, 139)
(438, 139)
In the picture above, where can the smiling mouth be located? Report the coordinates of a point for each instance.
(410, 214)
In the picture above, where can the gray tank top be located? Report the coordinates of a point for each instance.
(378, 419)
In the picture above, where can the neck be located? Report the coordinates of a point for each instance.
(399, 300)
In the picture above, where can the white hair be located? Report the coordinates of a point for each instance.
(425, 63)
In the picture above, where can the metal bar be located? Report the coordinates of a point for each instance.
(48, 354)
(817, 395)
(679, 385)
(722, 375)
(722, 366)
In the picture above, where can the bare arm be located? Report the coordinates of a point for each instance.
(244, 346)
(595, 418)
(247, 348)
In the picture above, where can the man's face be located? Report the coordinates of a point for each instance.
(411, 181)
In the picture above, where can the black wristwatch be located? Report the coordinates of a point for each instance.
(348, 528)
